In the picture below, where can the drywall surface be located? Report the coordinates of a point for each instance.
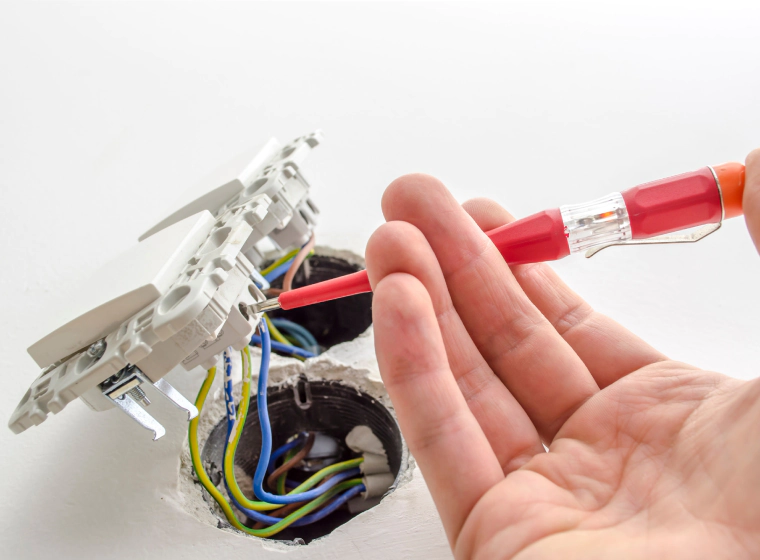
(109, 112)
(155, 508)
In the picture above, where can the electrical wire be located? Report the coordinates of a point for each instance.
(283, 259)
(276, 334)
(266, 441)
(295, 442)
(297, 340)
(233, 422)
(229, 401)
(287, 282)
(333, 505)
(292, 350)
(284, 510)
(281, 265)
(301, 492)
(331, 487)
(288, 325)
(279, 271)
(283, 469)
(334, 482)
(295, 328)
(280, 485)
(329, 481)
(321, 514)
(205, 481)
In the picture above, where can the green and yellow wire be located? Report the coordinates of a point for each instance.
(232, 482)
(276, 334)
(229, 459)
(282, 260)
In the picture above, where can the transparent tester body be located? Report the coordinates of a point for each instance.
(596, 223)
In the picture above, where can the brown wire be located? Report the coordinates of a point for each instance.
(294, 460)
(290, 508)
(287, 282)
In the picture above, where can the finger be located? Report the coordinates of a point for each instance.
(401, 247)
(444, 437)
(751, 200)
(538, 367)
(608, 350)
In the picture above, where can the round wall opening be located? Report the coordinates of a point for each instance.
(330, 409)
(331, 322)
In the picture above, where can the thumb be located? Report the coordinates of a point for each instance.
(751, 200)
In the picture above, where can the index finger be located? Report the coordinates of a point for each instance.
(455, 457)
(538, 367)
(609, 350)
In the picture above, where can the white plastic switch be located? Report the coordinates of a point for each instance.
(216, 189)
(123, 287)
(176, 297)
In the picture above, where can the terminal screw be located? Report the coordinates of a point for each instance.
(97, 349)
(139, 395)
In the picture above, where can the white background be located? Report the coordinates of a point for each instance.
(109, 112)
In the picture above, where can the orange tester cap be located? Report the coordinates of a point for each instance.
(731, 180)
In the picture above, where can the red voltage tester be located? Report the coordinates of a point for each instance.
(644, 214)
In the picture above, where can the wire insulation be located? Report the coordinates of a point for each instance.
(292, 350)
(276, 334)
(287, 282)
(229, 456)
(217, 495)
(290, 463)
(279, 271)
(300, 493)
(334, 482)
(294, 328)
(295, 442)
(285, 258)
(321, 514)
(337, 485)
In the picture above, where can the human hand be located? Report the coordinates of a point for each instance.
(647, 457)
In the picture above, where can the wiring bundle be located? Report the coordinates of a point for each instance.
(296, 341)
(306, 502)
(179, 298)
(325, 491)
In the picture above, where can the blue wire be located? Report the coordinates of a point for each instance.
(292, 350)
(268, 519)
(279, 271)
(259, 280)
(230, 405)
(299, 340)
(282, 450)
(295, 328)
(327, 510)
(230, 402)
(266, 435)
(338, 478)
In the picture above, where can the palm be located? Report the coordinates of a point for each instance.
(484, 364)
(650, 470)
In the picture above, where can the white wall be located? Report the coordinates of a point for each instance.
(108, 112)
